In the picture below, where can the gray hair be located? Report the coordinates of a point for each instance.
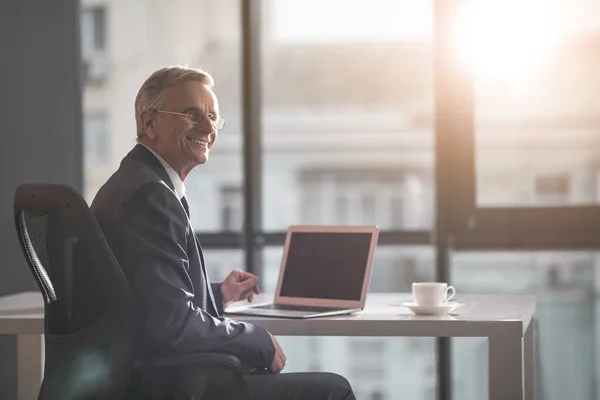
(151, 94)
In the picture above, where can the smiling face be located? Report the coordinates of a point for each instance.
(182, 143)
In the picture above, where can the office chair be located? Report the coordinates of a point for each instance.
(91, 317)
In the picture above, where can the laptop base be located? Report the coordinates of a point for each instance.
(290, 311)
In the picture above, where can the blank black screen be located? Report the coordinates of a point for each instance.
(325, 265)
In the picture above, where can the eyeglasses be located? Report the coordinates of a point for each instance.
(196, 116)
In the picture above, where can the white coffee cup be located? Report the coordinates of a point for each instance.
(432, 293)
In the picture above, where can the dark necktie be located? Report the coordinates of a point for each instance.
(186, 206)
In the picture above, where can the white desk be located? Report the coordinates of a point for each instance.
(22, 315)
(505, 320)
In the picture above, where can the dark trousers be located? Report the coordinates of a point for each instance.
(291, 386)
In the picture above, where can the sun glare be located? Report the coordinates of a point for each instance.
(508, 41)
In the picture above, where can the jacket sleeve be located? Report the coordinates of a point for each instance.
(152, 229)
(218, 295)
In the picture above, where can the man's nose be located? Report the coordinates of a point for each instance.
(205, 126)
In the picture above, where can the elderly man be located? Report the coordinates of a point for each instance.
(144, 214)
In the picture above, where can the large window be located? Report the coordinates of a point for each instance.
(566, 287)
(378, 368)
(535, 95)
(429, 119)
(219, 262)
(392, 199)
(529, 122)
(129, 41)
(232, 208)
(96, 139)
(521, 153)
(348, 113)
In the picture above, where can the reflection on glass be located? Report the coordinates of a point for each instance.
(348, 113)
(123, 42)
(567, 332)
(536, 97)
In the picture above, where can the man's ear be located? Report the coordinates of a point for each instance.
(148, 123)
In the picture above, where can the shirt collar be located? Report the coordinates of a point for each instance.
(178, 184)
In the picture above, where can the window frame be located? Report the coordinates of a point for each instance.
(473, 227)
(459, 223)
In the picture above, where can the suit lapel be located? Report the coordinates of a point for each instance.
(140, 152)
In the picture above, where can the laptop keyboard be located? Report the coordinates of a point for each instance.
(288, 307)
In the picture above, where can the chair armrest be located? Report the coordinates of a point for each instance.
(203, 360)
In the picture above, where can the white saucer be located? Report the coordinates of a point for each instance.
(442, 309)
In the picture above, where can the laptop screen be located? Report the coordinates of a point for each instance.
(326, 265)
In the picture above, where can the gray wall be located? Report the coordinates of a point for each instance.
(40, 126)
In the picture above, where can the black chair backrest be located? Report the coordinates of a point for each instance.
(90, 312)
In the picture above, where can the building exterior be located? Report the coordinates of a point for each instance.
(348, 138)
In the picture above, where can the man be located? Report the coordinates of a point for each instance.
(144, 215)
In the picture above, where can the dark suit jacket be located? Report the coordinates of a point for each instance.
(151, 237)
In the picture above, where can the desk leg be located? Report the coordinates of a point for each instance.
(506, 369)
(529, 360)
(30, 366)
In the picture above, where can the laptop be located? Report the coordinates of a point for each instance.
(325, 270)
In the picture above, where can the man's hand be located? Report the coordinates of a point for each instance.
(239, 285)
(279, 359)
